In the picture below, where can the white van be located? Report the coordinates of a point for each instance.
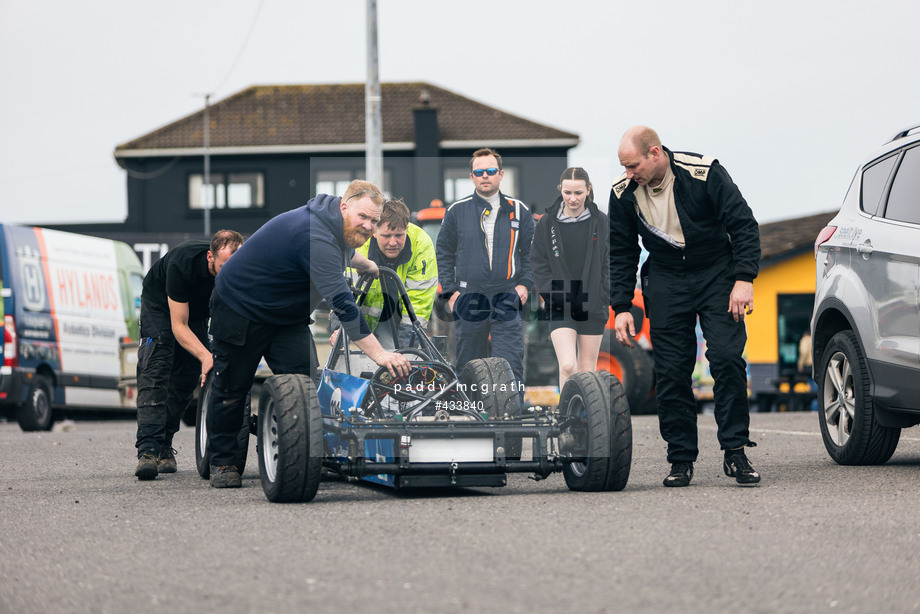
(70, 303)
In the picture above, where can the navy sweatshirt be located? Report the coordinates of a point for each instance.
(296, 259)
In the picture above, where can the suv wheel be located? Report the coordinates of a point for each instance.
(851, 433)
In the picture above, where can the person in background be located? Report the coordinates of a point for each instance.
(173, 354)
(483, 253)
(804, 362)
(570, 259)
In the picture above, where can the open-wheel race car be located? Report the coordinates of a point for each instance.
(432, 427)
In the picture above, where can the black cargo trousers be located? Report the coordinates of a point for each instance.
(166, 378)
(238, 346)
(674, 297)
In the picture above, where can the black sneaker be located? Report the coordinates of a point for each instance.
(681, 474)
(225, 476)
(167, 461)
(146, 466)
(738, 466)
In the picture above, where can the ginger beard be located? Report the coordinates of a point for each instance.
(354, 236)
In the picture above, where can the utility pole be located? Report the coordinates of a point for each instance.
(208, 191)
(372, 125)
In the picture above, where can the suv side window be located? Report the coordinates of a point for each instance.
(904, 197)
(875, 178)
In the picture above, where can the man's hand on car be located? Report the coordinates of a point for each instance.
(396, 364)
(207, 363)
(365, 266)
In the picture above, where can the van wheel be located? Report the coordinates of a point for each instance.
(202, 445)
(35, 414)
(851, 432)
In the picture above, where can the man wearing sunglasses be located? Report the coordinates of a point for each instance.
(483, 253)
(261, 306)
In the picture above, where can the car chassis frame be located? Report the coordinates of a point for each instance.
(433, 427)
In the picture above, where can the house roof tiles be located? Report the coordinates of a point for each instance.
(791, 237)
(267, 116)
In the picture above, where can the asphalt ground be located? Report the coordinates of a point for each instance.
(79, 533)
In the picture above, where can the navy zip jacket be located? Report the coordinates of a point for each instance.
(462, 253)
(716, 221)
(281, 273)
(551, 266)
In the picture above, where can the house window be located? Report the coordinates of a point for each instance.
(336, 182)
(227, 191)
(457, 183)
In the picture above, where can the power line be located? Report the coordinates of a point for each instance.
(252, 27)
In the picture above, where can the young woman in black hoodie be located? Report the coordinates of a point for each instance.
(569, 258)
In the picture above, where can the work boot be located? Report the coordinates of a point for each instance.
(681, 474)
(738, 466)
(146, 466)
(167, 461)
(225, 476)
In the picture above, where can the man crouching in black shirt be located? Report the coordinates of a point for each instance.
(173, 354)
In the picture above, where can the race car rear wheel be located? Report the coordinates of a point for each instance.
(600, 436)
(202, 447)
(290, 441)
(490, 384)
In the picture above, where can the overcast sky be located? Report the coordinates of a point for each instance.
(790, 96)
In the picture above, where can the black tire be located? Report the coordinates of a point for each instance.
(851, 433)
(602, 434)
(36, 414)
(290, 440)
(634, 368)
(202, 447)
(491, 382)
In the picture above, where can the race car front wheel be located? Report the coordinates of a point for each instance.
(290, 440)
(598, 438)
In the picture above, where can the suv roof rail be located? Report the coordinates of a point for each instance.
(900, 134)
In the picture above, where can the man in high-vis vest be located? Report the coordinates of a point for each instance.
(407, 249)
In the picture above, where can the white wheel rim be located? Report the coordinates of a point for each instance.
(269, 436)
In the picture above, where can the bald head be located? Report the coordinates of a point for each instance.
(642, 156)
(641, 139)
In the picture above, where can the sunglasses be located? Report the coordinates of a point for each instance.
(479, 172)
(369, 193)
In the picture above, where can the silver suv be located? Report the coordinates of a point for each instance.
(866, 321)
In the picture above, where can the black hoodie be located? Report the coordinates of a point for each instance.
(551, 269)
